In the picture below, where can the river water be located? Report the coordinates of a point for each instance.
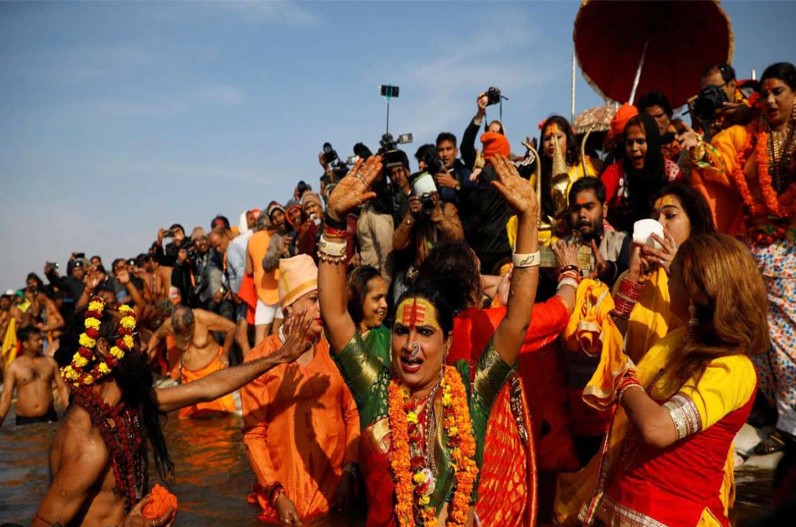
(212, 473)
(213, 476)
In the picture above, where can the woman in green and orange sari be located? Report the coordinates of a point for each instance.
(424, 422)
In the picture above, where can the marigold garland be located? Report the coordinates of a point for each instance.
(413, 480)
(780, 206)
(75, 374)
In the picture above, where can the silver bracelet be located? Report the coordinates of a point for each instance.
(526, 260)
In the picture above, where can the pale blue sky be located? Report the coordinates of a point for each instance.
(119, 118)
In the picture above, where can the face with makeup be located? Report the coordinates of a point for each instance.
(418, 344)
(553, 135)
(669, 211)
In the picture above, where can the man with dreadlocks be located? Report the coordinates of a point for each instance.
(99, 456)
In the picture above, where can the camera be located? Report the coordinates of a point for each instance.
(329, 153)
(168, 233)
(54, 265)
(493, 96)
(391, 156)
(428, 204)
(708, 102)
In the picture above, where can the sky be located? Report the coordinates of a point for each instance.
(118, 118)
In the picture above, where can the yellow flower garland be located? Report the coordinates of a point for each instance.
(74, 374)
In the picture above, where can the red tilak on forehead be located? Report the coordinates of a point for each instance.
(414, 315)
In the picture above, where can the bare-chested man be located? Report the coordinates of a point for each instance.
(200, 353)
(100, 474)
(33, 375)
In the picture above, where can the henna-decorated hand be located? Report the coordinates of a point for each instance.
(354, 189)
(517, 192)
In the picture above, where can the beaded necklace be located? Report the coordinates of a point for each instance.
(122, 432)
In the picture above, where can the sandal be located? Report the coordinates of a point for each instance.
(777, 441)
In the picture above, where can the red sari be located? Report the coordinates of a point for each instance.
(508, 482)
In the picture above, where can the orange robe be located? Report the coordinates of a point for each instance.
(300, 427)
(225, 404)
(265, 282)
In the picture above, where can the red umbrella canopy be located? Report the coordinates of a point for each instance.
(681, 39)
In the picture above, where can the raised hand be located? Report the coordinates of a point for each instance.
(517, 192)
(93, 280)
(123, 277)
(294, 330)
(354, 189)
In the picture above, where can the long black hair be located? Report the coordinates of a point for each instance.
(645, 183)
(571, 155)
(134, 379)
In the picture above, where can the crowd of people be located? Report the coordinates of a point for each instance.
(570, 335)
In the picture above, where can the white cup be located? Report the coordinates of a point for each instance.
(643, 231)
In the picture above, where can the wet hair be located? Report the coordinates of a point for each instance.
(443, 308)
(694, 204)
(587, 183)
(655, 98)
(23, 334)
(445, 136)
(731, 315)
(134, 378)
(784, 71)
(357, 286)
(182, 318)
(450, 268)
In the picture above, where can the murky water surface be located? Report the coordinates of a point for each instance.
(213, 476)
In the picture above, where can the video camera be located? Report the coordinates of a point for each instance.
(708, 102)
(391, 156)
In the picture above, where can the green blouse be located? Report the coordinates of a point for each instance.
(368, 378)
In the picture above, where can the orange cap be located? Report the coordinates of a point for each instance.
(495, 143)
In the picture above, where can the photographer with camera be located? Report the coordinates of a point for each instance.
(377, 218)
(72, 285)
(428, 220)
(720, 102)
(168, 256)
